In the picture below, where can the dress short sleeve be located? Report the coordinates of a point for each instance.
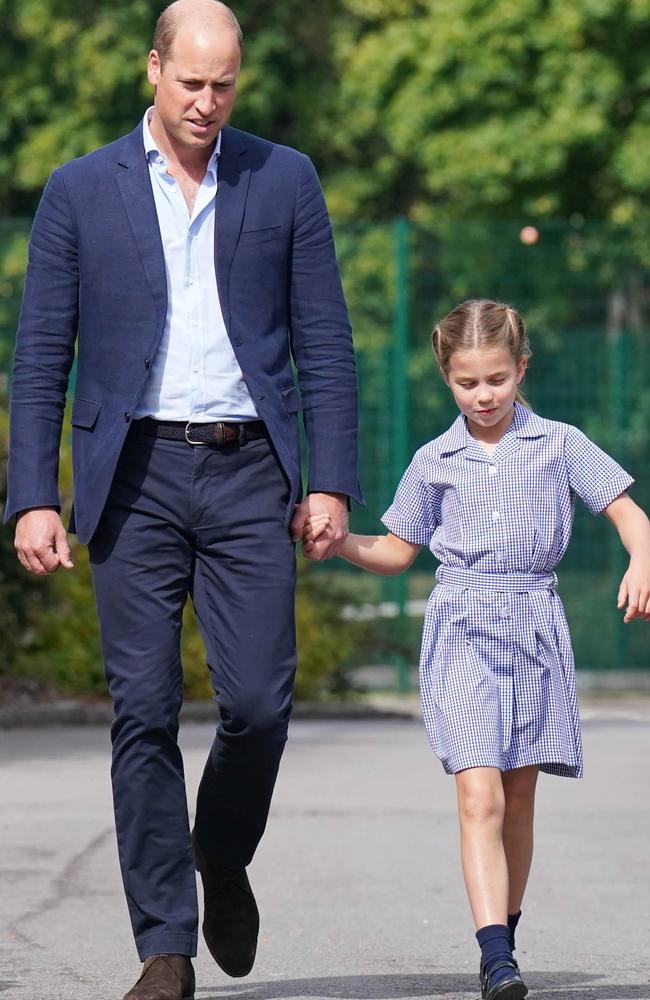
(593, 475)
(411, 515)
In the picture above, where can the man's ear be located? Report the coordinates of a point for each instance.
(154, 69)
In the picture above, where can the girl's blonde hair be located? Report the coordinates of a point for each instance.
(481, 323)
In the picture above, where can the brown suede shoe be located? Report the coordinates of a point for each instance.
(231, 921)
(164, 977)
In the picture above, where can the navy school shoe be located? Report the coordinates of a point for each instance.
(509, 987)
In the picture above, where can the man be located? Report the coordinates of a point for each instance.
(188, 309)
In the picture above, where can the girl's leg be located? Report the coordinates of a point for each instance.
(519, 790)
(481, 810)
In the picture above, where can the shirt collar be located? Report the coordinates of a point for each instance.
(150, 146)
(525, 424)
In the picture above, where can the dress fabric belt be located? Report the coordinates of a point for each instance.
(473, 580)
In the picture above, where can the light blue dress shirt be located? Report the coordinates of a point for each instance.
(194, 375)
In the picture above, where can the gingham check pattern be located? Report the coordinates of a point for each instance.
(497, 675)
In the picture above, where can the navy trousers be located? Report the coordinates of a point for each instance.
(209, 523)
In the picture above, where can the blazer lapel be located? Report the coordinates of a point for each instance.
(135, 187)
(233, 178)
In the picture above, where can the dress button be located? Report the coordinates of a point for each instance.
(500, 557)
(493, 470)
(495, 515)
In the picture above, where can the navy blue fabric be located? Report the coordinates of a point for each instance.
(494, 942)
(96, 269)
(210, 523)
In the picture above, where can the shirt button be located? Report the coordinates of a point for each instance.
(499, 556)
(493, 470)
(495, 515)
(505, 613)
(194, 323)
(195, 369)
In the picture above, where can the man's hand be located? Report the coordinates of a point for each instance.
(334, 505)
(41, 541)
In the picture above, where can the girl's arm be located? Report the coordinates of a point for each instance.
(634, 530)
(386, 554)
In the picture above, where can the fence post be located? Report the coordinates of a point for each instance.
(400, 421)
(617, 340)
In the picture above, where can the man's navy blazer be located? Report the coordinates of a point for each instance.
(96, 272)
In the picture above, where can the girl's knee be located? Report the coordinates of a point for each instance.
(480, 798)
(519, 789)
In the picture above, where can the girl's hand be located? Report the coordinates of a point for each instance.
(315, 525)
(635, 592)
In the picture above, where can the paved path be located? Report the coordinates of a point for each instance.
(357, 878)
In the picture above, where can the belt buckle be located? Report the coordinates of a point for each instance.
(199, 444)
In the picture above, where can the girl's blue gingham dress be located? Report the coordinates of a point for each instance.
(496, 669)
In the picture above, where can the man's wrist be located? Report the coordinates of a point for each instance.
(28, 510)
(343, 497)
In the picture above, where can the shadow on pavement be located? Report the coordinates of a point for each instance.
(545, 985)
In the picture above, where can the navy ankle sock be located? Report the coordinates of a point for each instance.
(513, 920)
(494, 941)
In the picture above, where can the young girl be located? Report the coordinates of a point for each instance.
(493, 497)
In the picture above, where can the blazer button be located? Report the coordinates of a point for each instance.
(127, 417)
(147, 363)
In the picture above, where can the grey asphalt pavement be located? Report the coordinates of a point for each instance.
(357, 879)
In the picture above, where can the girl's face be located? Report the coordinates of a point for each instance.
(484, 382)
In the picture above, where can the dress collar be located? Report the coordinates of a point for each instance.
(525, 424)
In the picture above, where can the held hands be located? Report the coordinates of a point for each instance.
(314, 527)
(41, 541)
(635, 591)
(321, 523)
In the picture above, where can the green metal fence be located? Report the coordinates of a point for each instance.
(584, 289)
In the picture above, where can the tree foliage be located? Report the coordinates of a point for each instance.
(533, 108)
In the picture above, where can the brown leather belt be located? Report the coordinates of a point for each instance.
(213, 435)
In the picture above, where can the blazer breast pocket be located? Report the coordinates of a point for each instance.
(261, 234)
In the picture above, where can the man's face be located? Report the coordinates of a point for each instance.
(196, 88)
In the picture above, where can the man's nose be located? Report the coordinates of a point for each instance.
(205, 102)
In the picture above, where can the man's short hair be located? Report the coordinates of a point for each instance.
(167, 27)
